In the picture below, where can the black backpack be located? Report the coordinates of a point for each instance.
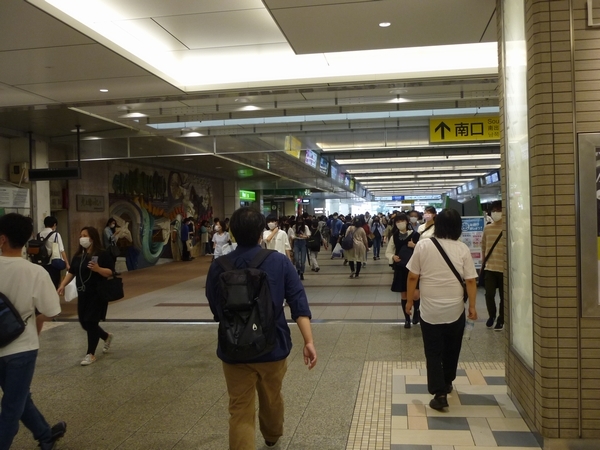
(11, 324)
(348, 241)
(314, 241)
(37, 250)
(247, 328)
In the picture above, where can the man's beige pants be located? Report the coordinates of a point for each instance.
(242, 382)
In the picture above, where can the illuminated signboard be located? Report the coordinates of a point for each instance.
(311, 159)
(323, 166)
(352, 185)
(334, 173)
(248, 195)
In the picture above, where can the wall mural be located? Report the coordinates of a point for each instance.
(148, 204)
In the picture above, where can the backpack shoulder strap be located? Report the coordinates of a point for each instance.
(48, 237)
(262, 254)
(445, 256)
(225, 263)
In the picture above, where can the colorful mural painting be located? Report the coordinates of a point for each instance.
(149, 205)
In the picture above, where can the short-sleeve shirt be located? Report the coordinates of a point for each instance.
(54, 238)
(220, 240)
(28, 286)
(441, 293)
(280, 241)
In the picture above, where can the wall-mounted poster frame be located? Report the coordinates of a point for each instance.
(588, 216)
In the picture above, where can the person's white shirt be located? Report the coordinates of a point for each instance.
(441, 293)
(54, 238)
(292, 233)
(220, 240)
(426, 234)
(280, 241)
(27, 286)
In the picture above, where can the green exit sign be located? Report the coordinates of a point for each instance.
(247, 195)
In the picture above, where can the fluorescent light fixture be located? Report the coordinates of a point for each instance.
(401, 159)
(384, 24)
(250, 108)
(74, 130)
(103, 90)
(191, 134)
(133, 115)
(430, 169)
(380, 145)
(367, 178)
(91, 138)
(399, 100)
(323, 118)
(275, 64)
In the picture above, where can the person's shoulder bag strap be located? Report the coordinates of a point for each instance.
(454, 271)
(491, 250)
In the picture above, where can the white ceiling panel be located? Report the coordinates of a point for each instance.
(355, 26)
(78, 62)
(275, 4)
(23, 26)
(223, 29)
(118, 88)
(135, 9)
(10, 96)
(149, 30)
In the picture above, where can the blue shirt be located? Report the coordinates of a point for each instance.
(284, 283)
(185, 232)
(336, 227)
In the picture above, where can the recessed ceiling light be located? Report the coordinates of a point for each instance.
(74, 130)
(187, 159)
(103, 90)
(192, 134)
(242, 100)
(398, 91)
(132, 115)
(250, 108)
(399, 100)
(384, 24)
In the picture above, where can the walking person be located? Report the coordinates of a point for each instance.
(90, 266)
(398, 252)
(299, 233)
(358, 253)
(378, 231)
(28, 287)
(275, 238)
(220, 238)
(335, 227)
(494, 248)
(442, 301)
(204, 235)
(263, 374)
(314, 243)
(50, 224)
(427, 229)
(184, 235)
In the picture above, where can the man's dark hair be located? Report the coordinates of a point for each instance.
(50, 221)
(271, 218)
(247, 225)
(430, 209)
(448, 224)
(111, 220)
(496, 205)
(16, 228)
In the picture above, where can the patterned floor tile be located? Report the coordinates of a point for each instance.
(495, 381)
(399, 410)
(447, 423)
(481, 400)
(515, 439)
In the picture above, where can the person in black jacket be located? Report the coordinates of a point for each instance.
(399, 250)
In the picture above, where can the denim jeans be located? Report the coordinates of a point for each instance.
(16, 373)
(376, 246)
(300, 254)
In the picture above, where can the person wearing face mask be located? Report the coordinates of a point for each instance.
(427, 230)
(50, 224)
(220, 238)
(109, 231)
(90, 266)
(493, 267)
(358, 253)
(275, 238)
(413, 218)
(398, 252)
(378, 231)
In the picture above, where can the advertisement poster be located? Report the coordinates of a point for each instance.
(472, 235)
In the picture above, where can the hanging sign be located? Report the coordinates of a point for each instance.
(464, 129)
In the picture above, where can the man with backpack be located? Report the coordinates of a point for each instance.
(26, 287)
(246, 290)
(50, 236)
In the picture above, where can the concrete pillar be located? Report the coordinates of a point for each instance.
(231, 198)
(559, 393)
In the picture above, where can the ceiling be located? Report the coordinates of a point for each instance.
(51, 75)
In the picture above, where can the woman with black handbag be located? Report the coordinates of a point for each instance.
(398, 253)
(91, 266)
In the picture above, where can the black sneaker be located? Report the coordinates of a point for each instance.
(317, 269)
(57, 432)
(490, 322)
(439, 402)
(407, 324)
(301, 276)
(449, 388)
(499, 326)
(270, 444)
(416, 317)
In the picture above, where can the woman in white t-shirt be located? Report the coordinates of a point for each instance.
(427, 230)
(442, 301)
(220, 238)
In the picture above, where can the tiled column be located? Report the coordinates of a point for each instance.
(561, 395)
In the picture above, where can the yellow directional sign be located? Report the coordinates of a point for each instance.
(463, 129)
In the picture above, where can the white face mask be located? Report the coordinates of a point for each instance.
(427, 217)
(217, 228)
(272, 225)
(401, 226)
(496, 216)
(414, 220)
(85, 242)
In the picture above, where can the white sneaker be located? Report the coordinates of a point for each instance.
(89, 359)
(107, 343)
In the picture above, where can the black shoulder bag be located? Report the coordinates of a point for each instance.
(481, 271)
(454, 271)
